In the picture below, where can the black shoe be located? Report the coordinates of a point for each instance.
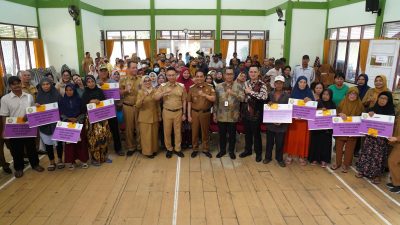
(208, 154)
(169, 154)
(220, 154)
(390, 185)
(130, 152)
(155, 154)
(41, 152)
(150, 156)
(258, 158)
(179, 154)
(19, 173)
(245, 154)
(26, 162)
(120, 153)
(194, 154)
(395, 189)
(232, 155)
(7, 170)
(266, 161)
(282, 164)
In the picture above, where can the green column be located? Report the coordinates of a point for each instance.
(288, 30)
(79, 36)
(218, 28)
(153, 40)
(379, 19)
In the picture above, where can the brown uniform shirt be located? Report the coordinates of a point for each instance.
(175, 98)
(199, 102)
(133, 83)
(30, 90)
(86, 63)
(149, 109)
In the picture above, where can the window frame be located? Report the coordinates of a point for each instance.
(383, 29)
(14, 40)
(348, 40)
(190, 32)
(136, 40)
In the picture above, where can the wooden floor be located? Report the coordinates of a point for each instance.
(137, 190)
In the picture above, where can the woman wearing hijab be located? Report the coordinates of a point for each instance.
(47, 94)
(371, 96)
(185, 79)
(93, 71)
(219, 78)
(148, 117)
(351, 105)
(98, 133)
(362, 84)
(321, 140)
(374, 154)
(297, 137)
(153, 78)
(115, 76)
(71, 111)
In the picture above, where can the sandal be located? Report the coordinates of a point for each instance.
(334, 167)
(288, 161)
(376, 180)
(323, 164)
(302, 162)
(314, 163)
(51, 167)
(95, 163)
(344, 169)
(71, 166)
(85, 166)
(60, 165)
(359, 175)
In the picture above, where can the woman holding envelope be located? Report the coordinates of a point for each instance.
(47, 94)
(298, 136)
(321, 140)
(351, 105)
(71, 111)
(148, 118)
(98, 133)
(374, 154)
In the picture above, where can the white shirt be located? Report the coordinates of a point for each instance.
(14, 106)
(217, 65)
(272, 73)
(300, 71)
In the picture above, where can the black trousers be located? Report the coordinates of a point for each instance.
(277, 139)
(50, 151)
(252, 136)
(224, 129)
(113, 123)
(18, 145)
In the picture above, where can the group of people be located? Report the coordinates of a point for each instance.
(174, 105)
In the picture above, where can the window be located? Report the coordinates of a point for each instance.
(391, 30)
(127, 42)
(16, 47)
(345, 48)
(182, 41)
(240, 40)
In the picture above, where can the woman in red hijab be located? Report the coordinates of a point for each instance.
(185, 79)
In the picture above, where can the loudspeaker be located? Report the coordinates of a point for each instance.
(371, 5)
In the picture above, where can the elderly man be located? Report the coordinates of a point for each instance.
(26, 83)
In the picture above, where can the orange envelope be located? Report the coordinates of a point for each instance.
(20, 120)
(326, 112)
(274, 106)
(41, 108)
(101, 104)
(71, 125)
(372, 132)
(348, 119)
(105, 86)
(301, 103)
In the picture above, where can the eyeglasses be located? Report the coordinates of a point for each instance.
(147, 81)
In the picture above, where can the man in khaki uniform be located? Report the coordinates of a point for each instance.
(26, 84)
(200, 100)
(174, 108)
(87, 61)
(129, 87)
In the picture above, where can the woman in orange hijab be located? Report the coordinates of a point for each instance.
(371, 96)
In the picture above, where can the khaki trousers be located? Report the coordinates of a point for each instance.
(394, 165)
(131, 125)
(200, 121)
(172, 120)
